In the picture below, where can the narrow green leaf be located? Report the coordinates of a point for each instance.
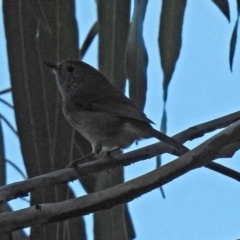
(113, 20)
(162, 192)
(6, 103)
(238, 6)
(224, 7)
(164, 130)
(136, 55)
(159, 164)
(16, 168)
(2, 159)
(9, 124)
(86, 44)
(5, 91)
(170, 41)
(46, 137)
(170, 37)
(233, 44)
(164, 120)
(38, 12)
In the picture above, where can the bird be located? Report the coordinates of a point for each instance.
(100, 112)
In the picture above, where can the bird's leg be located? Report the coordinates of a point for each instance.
(110, 157)
(96, 151)
(74, 163)
(97, 148)
(109, 153)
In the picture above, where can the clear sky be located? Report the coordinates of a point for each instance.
(200, 204)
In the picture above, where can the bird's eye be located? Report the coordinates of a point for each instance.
(70, 69)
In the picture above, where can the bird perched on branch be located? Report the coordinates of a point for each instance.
(99, 111)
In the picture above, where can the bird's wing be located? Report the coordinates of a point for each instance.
(111, 101)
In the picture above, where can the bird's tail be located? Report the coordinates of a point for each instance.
(169, 140)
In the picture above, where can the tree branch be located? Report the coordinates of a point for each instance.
(125, 192)
(20, 189)
(207, 127)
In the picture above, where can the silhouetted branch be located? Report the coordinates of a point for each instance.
(22, 188)
(125, 192)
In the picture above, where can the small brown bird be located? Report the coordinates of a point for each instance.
(99, 111)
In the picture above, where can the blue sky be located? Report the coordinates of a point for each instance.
(200, 204)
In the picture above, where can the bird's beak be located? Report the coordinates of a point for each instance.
(51, 65)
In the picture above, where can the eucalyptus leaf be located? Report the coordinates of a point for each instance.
(170, 38)
(113, 20)
(38, 11)
(233, 43)
(46, 138)
(2, 158)
(224, 7)
(7, 90)
(87, 42)
(136, 55)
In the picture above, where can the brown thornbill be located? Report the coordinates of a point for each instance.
(99, 111)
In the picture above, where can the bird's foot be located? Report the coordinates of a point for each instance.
(111, 158)
(74, 163)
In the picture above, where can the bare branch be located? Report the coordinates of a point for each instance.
(224, 170)
(125, 192)
(22, 188)
(210, 126)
